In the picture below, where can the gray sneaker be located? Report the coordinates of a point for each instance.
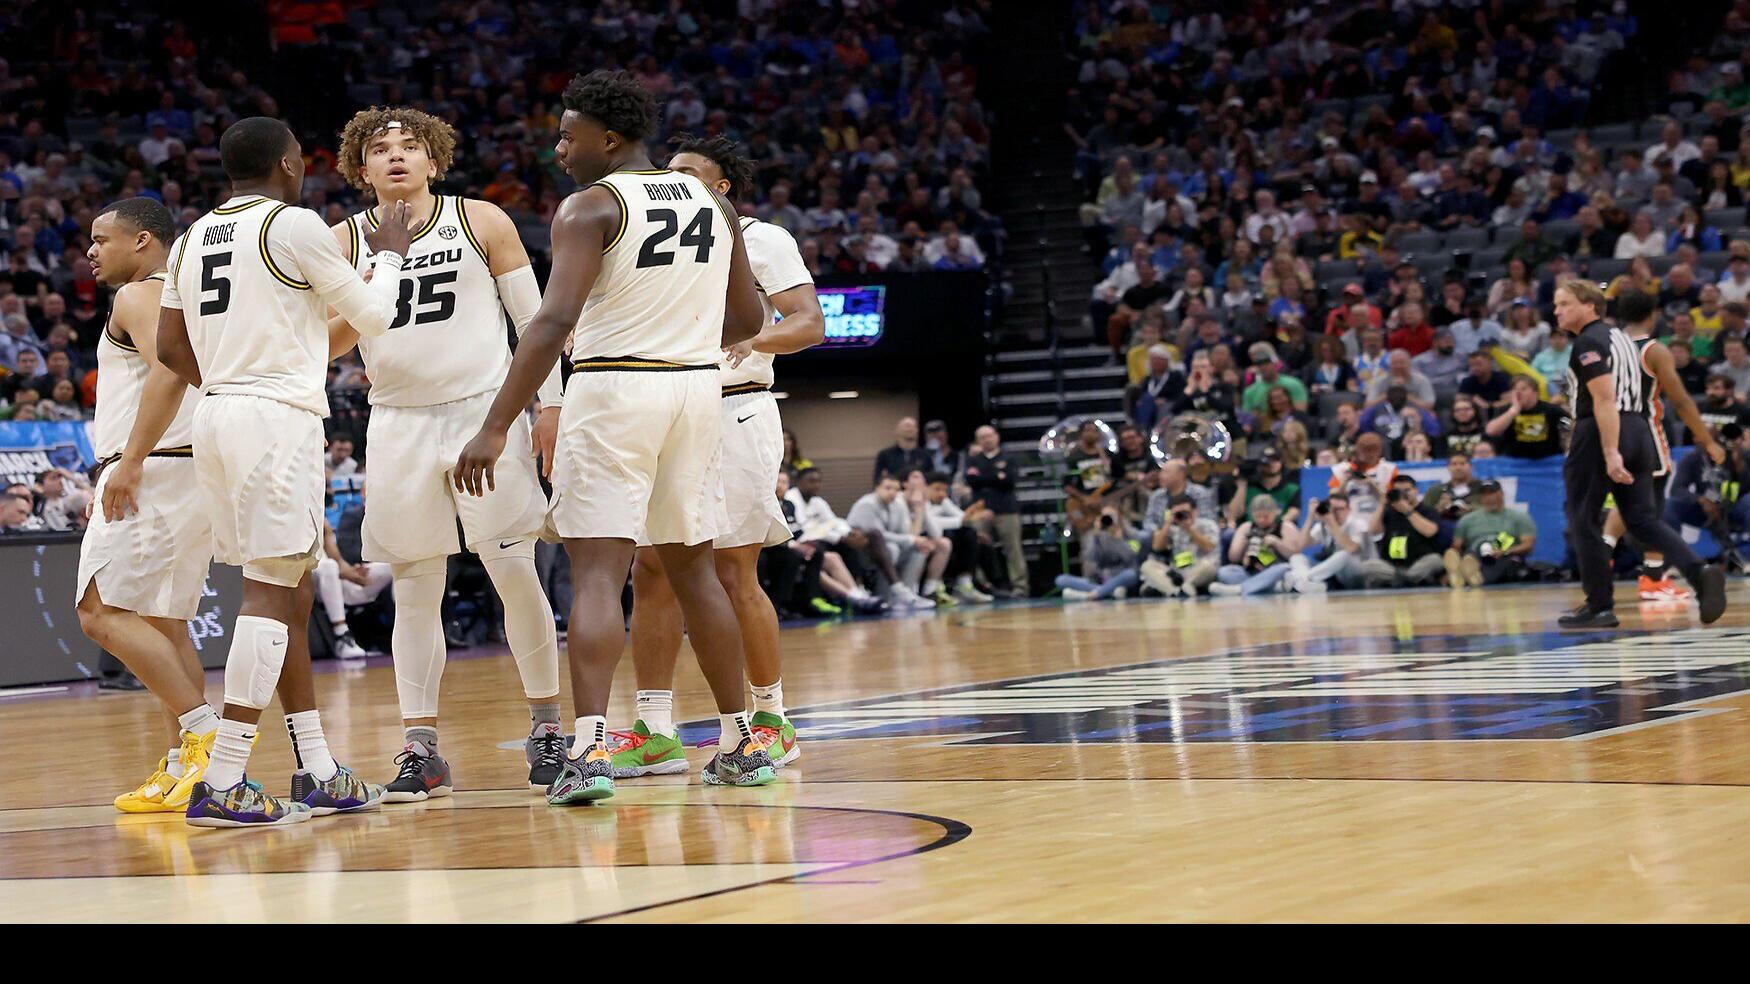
(545, 752)
(747, 765)
(423, 775)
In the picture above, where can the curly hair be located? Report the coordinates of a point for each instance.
(616, 100)
(721, 152)
(438, 137)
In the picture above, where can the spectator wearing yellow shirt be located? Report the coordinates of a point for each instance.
(1148, 335)
(1359, 239)
(1706, 315)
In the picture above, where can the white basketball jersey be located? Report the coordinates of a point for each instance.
(241, 276)
(450, 337)
(777, 267)
(664, 279)
(121, 378)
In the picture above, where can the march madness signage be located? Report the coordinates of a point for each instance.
(29, 449)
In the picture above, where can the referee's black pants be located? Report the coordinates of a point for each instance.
(1588, 484)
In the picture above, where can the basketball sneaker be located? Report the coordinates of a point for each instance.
(778, 735)
(423, 775)
(197, 751)
(545, 752)
(153, 795)
(344, 793)
(243, 805)
(583, 780)
(1663, 589)
(640, 753)
(747, 765)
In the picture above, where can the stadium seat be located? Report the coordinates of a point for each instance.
(1487, 256)
(1662, 264)
(1507, 237)
(1715, 260)
(1423, 241)
(1328, 403)
(1606, 268)
(1468, 238)
(1559, 230)
(1615, 134)
(1335, 270)
(1724, 218)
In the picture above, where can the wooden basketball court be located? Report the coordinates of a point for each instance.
(1427, 755)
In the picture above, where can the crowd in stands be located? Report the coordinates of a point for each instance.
(1337, 229)
(870, 142)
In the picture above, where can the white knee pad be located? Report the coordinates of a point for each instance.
(528, 618)
(418, 636)
(490, 550)
(258, 653)
(286, 572)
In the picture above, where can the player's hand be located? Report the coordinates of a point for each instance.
(1715, 452)
(355, 573)
(395, 232)
(739, 352)
(474, 468)
(546, 435)
(122, 489)
(1614, 467)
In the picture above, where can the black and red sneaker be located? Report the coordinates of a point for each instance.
(424, 774)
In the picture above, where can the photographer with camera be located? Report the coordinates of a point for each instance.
(1258, 558)
(1411, 541)
(1264, 475)
(1365, 477)
(1491, 543)
(1452, 498)
(1184, 548)
(1108, 562)
(1344, 537)
(1711, 496)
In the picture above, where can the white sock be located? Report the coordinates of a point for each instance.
(309, 746)
(1610, 541)
(341, 628)
(230, 753)
(591, 730)
(656, 710)
(173, 763)
(734, 729)
(201, 721)
(769, 699)
(859, 594)
(931, 587)
(963, 581)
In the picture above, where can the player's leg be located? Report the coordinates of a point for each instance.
(319, 782)
(534, 643)
(1639, 504)
(594, 642)
(329, 590)
(152, 656)
(716, 638)
(417, 645)
(738, 570)
(935, 571)
(652, 746)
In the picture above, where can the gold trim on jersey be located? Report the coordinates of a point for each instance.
(118, 343)
(234, 209)
(176, 266)
(109, 321)
(741, 388)
(625, 216)
(659, 170)
(468, 231)
(437, 213)
(631, 363)
(352, 247)
(267, 258)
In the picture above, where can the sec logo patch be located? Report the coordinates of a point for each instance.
(447, 232)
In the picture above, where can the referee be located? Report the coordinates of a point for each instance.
(1612, 451)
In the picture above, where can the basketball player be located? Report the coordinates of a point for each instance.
(141, 575)
(244, 320)
(658, 257)
(1635, 313)
(1612, 452)
(433, 376)
(753, 453)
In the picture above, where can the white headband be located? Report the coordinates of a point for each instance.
(365, 153)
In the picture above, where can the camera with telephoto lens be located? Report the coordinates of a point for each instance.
(1713, 481)
(1105, 522)
(1731, 433)
(1393, 496)
(1249, 468)
(1181, 516)
(1322, 509)
(1488, 550)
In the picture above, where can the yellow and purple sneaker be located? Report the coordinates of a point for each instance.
(345, 793)
(243, 805)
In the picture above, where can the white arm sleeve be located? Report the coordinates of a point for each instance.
(310, 246)
(521, 297)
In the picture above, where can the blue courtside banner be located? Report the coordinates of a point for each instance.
(30, 448)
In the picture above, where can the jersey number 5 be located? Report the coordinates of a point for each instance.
(696, 234)
(429, 295)
(212, 283)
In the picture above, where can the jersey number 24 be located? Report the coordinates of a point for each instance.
(696, 234)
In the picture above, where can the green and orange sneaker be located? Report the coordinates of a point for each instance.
(640, 753)
(778, 735)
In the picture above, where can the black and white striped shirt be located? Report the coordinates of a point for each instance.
(1601, 349)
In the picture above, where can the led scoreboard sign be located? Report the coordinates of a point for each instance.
(853, 315)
